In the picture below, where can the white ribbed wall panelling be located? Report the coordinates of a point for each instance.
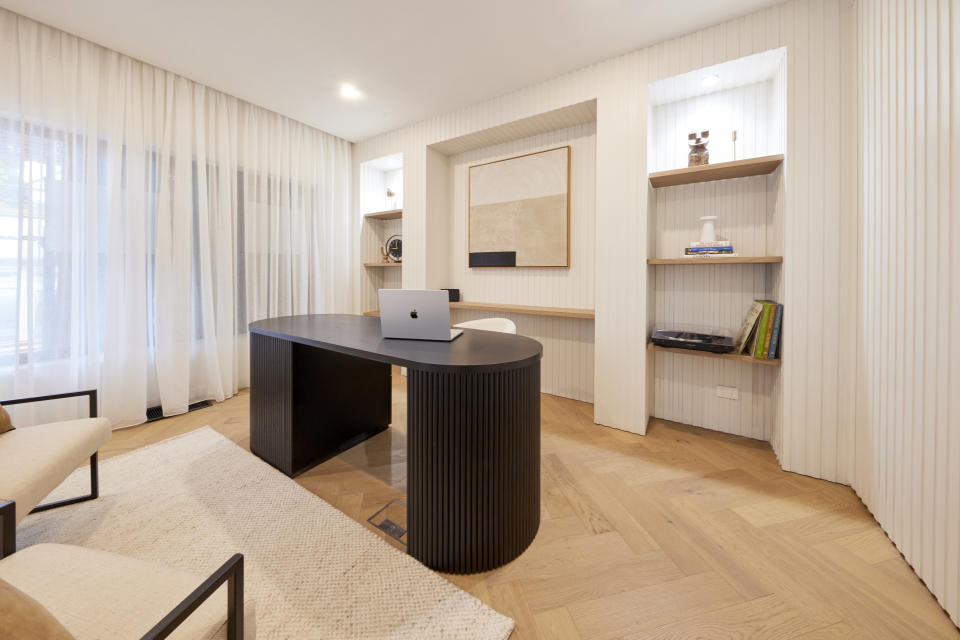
(362, 283)
(748, 109)
(819, 283)
(394, 180)
(373, 189)
(567, 368)
(713, 297)
(744, 210)
(375, 234)
(908, 410)
(372, 197)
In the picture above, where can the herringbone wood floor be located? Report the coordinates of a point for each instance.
(684, 533)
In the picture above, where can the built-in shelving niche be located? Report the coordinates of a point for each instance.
(746, 192)
(382, 218)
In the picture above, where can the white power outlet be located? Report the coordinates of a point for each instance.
(730, 393)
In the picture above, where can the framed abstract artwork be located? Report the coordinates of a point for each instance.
(520, 211)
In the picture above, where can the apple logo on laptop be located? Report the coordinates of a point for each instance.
(413, 314)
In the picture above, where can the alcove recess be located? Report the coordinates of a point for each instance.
(553, 305)
(747, 194)
(382, 218)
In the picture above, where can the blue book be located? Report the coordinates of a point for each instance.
(708, 249)
(775, 338)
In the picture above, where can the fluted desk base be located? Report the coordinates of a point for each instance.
(473, 479)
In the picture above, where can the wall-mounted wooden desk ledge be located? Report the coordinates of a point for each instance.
(557, 312)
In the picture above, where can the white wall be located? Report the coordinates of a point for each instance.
(567, 367)
(817, 382)
(908, 419)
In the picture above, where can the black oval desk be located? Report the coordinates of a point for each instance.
(320, 384)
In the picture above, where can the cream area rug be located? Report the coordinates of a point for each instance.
(192, 501)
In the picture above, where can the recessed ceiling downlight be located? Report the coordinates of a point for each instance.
(710, 81)
(350, 92)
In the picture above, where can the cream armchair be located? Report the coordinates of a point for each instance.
(35, 460)
(95, 595)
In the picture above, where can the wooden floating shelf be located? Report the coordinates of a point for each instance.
(718, 260)
(720, 171)
(383, 264)
(557, 312)
(392, 214)
(736, 357)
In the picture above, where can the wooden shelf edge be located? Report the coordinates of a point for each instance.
(557, 312)
(383, 264)
(719, 260)
(736, 357)
(721, 171)
(391, 214)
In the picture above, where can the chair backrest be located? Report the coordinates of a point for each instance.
(503, 325)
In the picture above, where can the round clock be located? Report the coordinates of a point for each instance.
(394, 248)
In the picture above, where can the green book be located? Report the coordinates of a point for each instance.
(762, 329)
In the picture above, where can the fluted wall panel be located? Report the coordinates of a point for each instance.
(817, 281)
(908, 417)
(568, 343)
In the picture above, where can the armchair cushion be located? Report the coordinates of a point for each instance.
(35, 460)
(5, 423)
(97, 594)
(24, 617)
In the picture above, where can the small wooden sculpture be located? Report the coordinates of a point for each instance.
(698, 155)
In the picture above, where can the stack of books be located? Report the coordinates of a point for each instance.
(760, 334)
(708, 249)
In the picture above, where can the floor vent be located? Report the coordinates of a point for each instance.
(392, 520)
(156, 413)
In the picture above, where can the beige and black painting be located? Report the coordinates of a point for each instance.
(520, 211)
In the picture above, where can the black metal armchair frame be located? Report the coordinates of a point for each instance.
(230, 572)
(94, 476)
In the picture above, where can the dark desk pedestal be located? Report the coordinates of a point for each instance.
(308, 405)
(473, 481)
(321, 384)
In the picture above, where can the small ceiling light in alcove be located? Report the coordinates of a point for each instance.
(710, 81)
(350, 92)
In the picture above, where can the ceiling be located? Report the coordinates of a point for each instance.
(411, 59)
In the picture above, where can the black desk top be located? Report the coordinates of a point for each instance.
(473, 352)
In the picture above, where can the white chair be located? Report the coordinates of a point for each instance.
(502, 325)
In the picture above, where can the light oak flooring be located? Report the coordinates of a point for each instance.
(684, 533)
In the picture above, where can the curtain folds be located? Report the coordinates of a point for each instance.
(145, 220)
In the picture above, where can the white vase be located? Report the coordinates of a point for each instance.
(707, 232)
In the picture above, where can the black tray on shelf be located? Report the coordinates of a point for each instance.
(692, 340)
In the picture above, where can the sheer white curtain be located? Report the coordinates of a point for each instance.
(144, 221)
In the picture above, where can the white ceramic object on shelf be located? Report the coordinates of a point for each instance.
(708, 232)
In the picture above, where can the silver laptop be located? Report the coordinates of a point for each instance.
(414, 314)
